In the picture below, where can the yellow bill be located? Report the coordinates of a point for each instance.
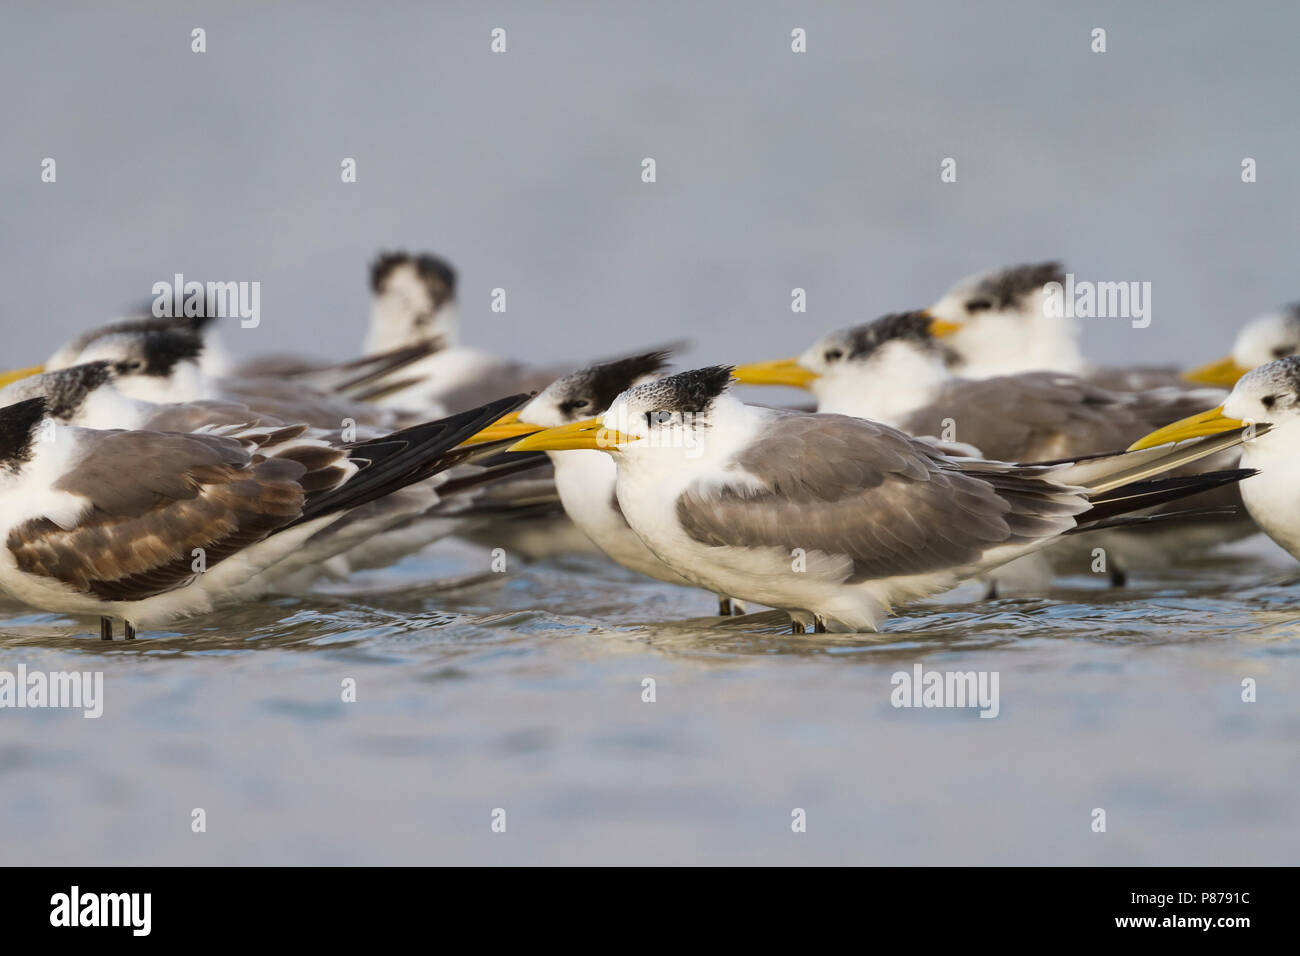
(941, 327)
(588, 434)
(780, 372)
(1223, 373)
(508, 426)
(18, 374)
(1206, 423)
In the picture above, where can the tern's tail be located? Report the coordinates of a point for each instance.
(1111, 509)
(1102, 473)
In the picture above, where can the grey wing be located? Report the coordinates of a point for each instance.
(279, 366)
(504, 380)
(155, 497)
(1036, 416)
(892, 505)
(294, 402)
(191, 416)
(1138, 378)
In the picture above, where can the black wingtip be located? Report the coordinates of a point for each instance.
(17, 429)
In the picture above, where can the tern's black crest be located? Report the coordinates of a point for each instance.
(898, 326)
(65, 390)
(142, 325)
(437, 274)
(159, 352)
(18, 431)
(1282, 375)
(692, 391)
(1007, 288)
(599, 385)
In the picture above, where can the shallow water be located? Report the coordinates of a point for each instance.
(523, 691)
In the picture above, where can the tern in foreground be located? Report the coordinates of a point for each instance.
(585, 478)
(837, 519)
(1266, 402)
(150, 526)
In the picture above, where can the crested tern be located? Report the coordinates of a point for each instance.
(110, 523)
(837, 519)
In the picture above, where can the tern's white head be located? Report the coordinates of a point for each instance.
(673, 426)
(1005, 325)
(1273, 335)
(683, 418)
(154, 366)
(880, 370)
(212, 358)
(1270, 393)
(1266, 396)
(591, 391)
(82, 395)
(414, 301)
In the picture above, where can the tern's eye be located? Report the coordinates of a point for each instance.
(659, 417)
(574, 404)
(1269, 401)
(978, 305)
(834, 355)
(1282, 351)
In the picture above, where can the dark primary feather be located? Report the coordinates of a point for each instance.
(156, 496)
(17, 431)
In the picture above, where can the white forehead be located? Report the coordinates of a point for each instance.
(405, 282)
(1261, 335)
(109, 348)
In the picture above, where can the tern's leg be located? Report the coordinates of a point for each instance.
(105, 629)
(1117, 577)
(737, 607)
(819, 626)
(992, 593)
(724, 605)
(796, 627)
(130, 630)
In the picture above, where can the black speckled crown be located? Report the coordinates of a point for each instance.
(864, 339)
(599, 385)
(1008, 287)
(437, 274)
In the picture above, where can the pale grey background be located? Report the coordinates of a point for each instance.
(775, 170)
